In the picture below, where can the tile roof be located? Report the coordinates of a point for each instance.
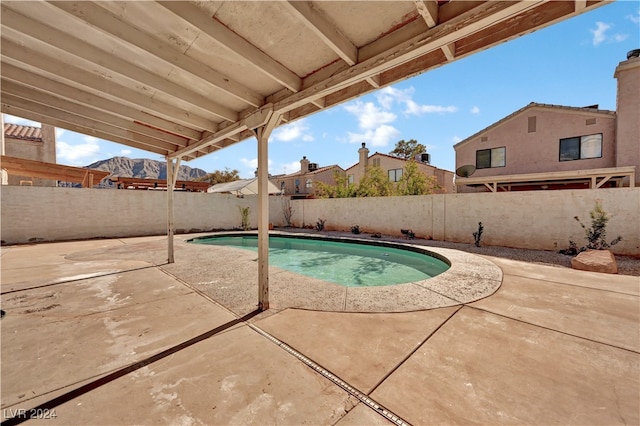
(28, 133)
(318, 170)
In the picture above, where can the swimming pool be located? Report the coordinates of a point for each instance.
(353, 263)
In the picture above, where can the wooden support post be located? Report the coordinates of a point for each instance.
(262, 133)
(172, 175)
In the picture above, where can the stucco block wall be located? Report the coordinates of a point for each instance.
(533, 219)
(539, 151)
(55, 214)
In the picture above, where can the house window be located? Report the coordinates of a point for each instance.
(376, 162)
(350, 179)
(581, 147)
(488, 158)
(309, 183)
(395, 175)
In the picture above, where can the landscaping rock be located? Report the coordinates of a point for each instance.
(595, 261)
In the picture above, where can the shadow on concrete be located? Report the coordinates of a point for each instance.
(36, 412)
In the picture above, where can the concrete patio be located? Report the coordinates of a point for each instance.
(105, 332)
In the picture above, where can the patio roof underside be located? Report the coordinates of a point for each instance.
(184, 79)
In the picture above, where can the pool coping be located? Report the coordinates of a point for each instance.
(468, 279)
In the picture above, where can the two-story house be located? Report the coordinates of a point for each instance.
(301, 183)
(558, 147)
(394, 167)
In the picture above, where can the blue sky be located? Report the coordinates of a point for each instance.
(570, 63)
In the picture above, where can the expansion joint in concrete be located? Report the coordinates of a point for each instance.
(361, 396)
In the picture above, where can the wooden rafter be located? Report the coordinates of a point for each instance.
(235, 44)
(111, 24)
(325, 30)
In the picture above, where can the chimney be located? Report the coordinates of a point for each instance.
(304, 165)
(364, 156)
(627, 112)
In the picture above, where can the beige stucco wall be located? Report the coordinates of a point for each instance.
(534, 219)
(628, 107)
(539, 151)
(55, 214)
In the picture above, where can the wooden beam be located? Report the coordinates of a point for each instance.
(449, 51)
(235, 44)
(486, 15)
(101, 18)
(374, 81)
(104, 128)
(26, 78)
(428, 9)
(262, 134)
(53, 37)
(325, 30)
(77, 76)
(50, 101)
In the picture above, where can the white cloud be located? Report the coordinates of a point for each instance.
(380, 136)
(59, 132)
(288, 168)
(456, 139)
(634, 18)
(388, 95)
(601, 34)
(475, 110)
(125, 152)
(620, 37)
(296, 130)
(416, 109)
(78, 154)
(369, 115)
(12, 119)
(375, 119)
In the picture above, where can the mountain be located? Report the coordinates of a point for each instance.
(141, 168)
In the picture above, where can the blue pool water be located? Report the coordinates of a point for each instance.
(345, 263)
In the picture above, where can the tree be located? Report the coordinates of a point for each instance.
(374, 183)
(414, 182)
(408, 149)
(342, 188)
(220, 176)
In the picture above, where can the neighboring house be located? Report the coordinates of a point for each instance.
(394, 167)
(30, 143)
(301, 184)
(558, 147)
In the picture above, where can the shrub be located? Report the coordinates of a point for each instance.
(595, 234)
(320, 224)
(478, 234)
(244, 216)
(355, 229)
(287, 210)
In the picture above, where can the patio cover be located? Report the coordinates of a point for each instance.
(243, 187)
(185, 79)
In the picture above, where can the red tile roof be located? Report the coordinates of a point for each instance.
(28, 133)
